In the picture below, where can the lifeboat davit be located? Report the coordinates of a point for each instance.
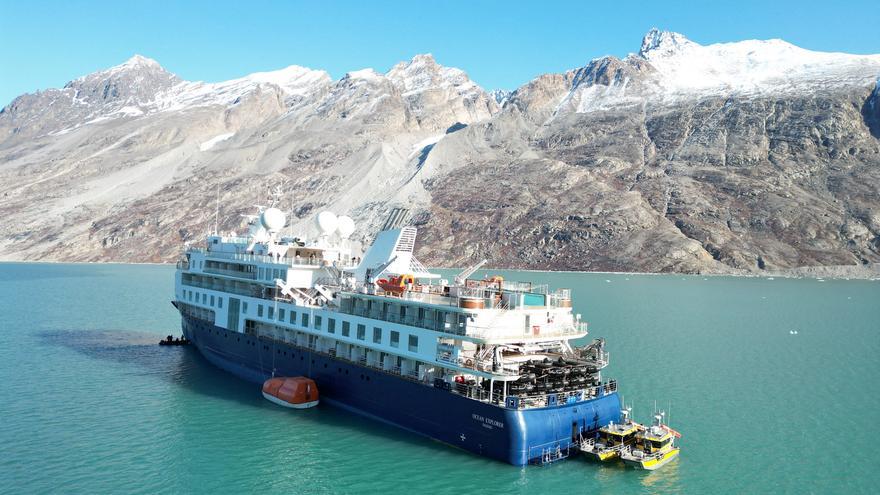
(296, 392)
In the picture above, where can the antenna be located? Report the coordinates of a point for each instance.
(217, 210)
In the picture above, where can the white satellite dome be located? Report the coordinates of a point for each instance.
(327, 222)
(345, 227)
(273, 219)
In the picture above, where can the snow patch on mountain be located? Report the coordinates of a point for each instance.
(214, 140)
(500, 96)
(670, 68)
(751, 67)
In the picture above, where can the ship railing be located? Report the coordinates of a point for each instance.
(263, 258)
(230, 273)
(476, 364)
(506, 331)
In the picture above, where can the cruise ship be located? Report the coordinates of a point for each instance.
(485, 364)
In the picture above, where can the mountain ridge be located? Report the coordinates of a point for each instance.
(615, 165)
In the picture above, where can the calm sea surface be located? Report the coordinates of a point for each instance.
(90, 404)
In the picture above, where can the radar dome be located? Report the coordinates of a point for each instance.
(345, 227)
(273, 219)
(327, 222)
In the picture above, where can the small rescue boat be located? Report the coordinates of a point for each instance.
(172, 341)
(296, 392)
(653, 447)
(612, 438)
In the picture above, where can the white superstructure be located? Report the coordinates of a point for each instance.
(481, 338)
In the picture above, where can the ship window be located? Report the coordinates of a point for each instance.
(346, 329)
(204, 299)
(317, 322)
(281, 314)
(305, 320)
(377, 335)
(259, 310)
(361, 332)
(220, 302)
(293, 316)
(402, 311)
(212, 301)
(244, 307)
(331, 325)
(260, 275)
(421, 313)
(190, 295)
(271, 312)
(413, 343)
(369, 305)
(395, 339)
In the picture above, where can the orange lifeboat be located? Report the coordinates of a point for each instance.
(397, 284)
(296, 392)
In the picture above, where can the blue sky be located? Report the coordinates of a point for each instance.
(499, 44)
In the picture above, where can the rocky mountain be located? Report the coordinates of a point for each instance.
(738, 157)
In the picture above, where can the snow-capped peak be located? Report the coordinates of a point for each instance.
(422, 72)
(138, 60)
(293, 80)
(669, 67)
(665, 42)
(751, 66)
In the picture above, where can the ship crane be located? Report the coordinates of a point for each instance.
(372, 273)
(461, 277)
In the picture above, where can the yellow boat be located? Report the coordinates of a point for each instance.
(612, 438)
(653, 447)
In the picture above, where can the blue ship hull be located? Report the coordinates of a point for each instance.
(516, 436)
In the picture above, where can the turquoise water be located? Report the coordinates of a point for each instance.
(90, 404)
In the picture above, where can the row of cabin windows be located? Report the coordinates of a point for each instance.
(202, 297)
(404, 310)
(270, 273)
(413, 343)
